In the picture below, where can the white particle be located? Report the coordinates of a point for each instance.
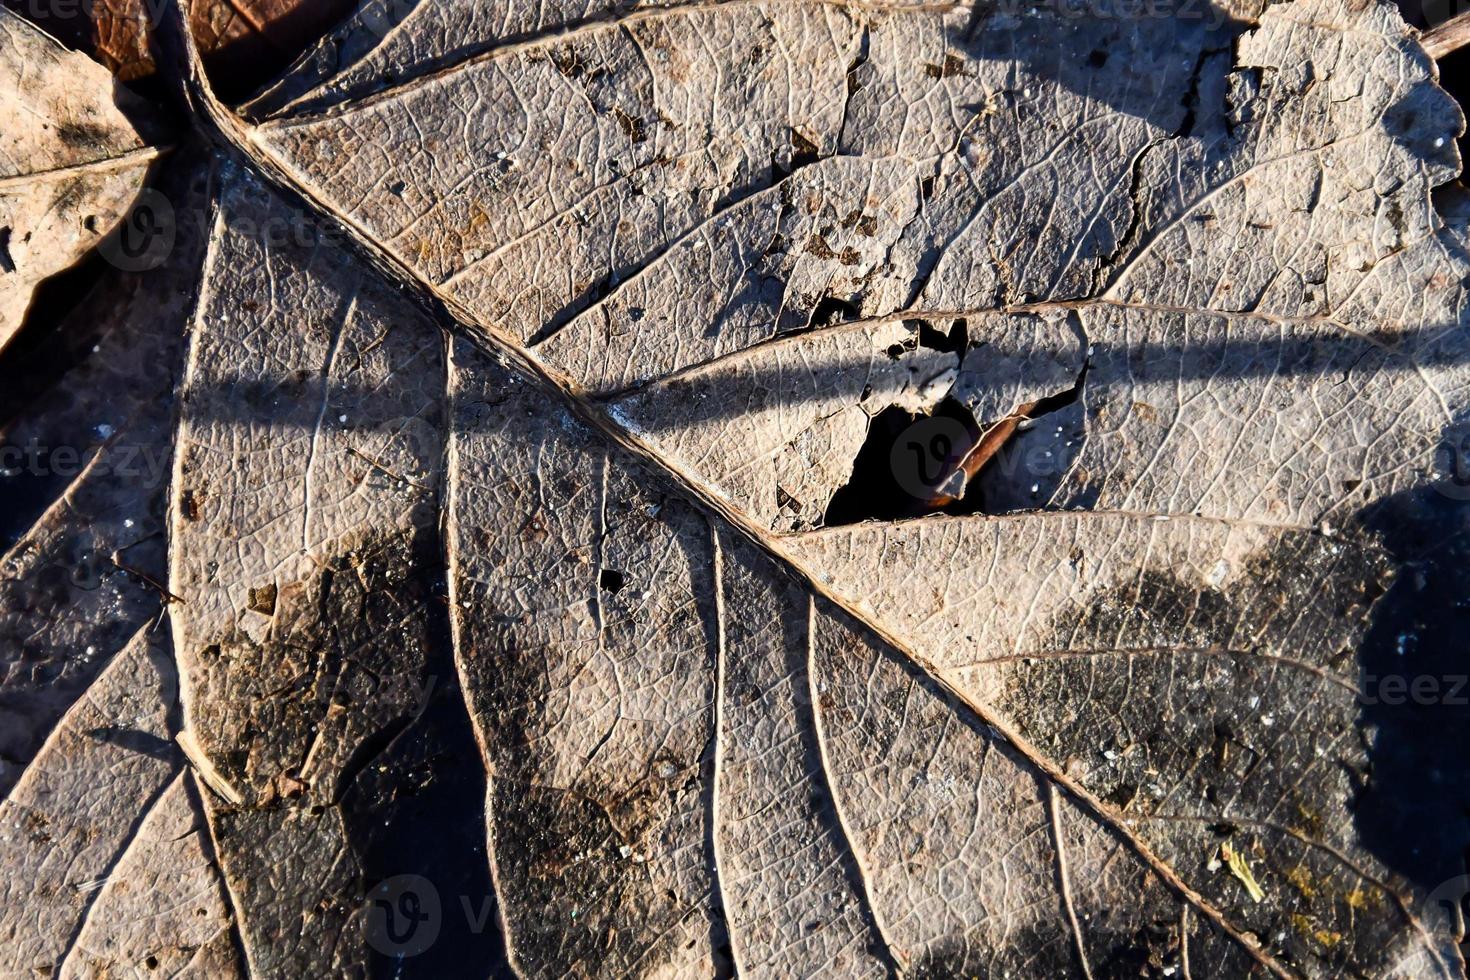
(342, 419)
(128, 522)
(1218, 574)
(105, 431)
(1439, 141)
(1035, 487)
(1268, 720)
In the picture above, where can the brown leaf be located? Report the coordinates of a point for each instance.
(71, 162)
(550, 396)
(246, 42)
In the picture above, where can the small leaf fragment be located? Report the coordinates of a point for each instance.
(1236, 862)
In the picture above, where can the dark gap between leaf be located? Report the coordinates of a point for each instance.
(427, 858)
(1412, 808)
(911, 465)
(904, 459)
(49, 345)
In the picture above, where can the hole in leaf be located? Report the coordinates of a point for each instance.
(944, 462)
(902, 463)
(611, 579)
(832, 310)
(1024, 458)
(954, 342)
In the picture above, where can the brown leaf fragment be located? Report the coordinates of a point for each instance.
(72, 818)
(1124, 711)
(163, 906)
(591, 692)
(245, 42)
(71, 161)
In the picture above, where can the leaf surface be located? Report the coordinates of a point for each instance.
(1175, 293)
(71, 162)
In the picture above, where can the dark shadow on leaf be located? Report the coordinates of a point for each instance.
(1413, 810)
(133, 740)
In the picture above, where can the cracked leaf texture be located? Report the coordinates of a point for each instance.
(496, 545)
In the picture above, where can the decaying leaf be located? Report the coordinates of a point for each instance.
(246, 42)
(524, 555)
(71, 162)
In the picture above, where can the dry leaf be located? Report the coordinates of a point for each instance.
(71, 162)
(246, 42)
(579, 566)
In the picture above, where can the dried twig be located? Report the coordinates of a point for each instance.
(1447, 38)
(168, 597)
